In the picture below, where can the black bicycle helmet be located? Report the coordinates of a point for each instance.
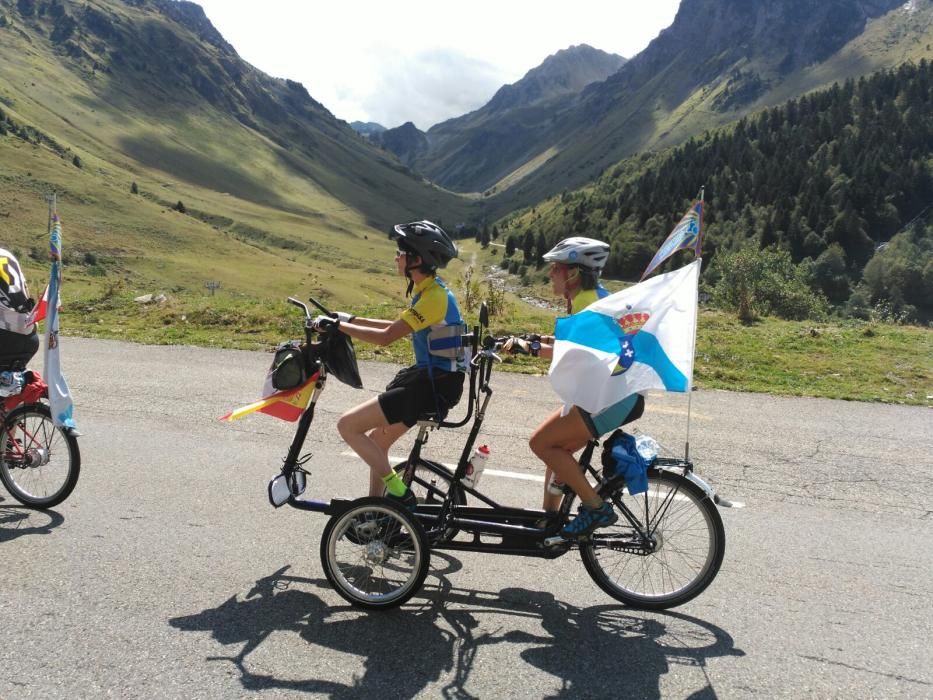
(427, 240)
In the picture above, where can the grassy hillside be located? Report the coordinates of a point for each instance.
(280, 197)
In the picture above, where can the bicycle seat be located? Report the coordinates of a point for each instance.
(432, 419)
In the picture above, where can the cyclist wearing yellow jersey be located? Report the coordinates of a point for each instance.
(434, 384)
(576, 264)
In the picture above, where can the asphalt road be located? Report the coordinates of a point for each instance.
(168, 575)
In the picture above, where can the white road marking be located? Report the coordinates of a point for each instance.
(493, 472)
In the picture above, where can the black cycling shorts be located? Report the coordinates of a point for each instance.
(410, 396)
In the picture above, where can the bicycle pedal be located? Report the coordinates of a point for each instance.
(555, 541)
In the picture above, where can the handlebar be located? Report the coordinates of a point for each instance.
(301, 305)
(320, 306)
(496, 342)
(304, 307)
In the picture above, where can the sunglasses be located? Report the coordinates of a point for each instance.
(400, 253)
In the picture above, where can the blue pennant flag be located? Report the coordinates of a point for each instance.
(688, 233)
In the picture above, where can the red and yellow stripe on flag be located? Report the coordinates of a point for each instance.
(285, 405)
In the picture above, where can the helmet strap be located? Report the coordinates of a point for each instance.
(573, 275)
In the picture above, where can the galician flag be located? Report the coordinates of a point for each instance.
(639, 338)
(688, 233)
(59, 395)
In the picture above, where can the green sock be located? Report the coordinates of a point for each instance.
(394, 484)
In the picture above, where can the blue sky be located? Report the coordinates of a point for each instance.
(423, 61)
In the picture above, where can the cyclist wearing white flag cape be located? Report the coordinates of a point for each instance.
(637, 339)
(576, 264)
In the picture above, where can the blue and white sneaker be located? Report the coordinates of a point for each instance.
(588, 520)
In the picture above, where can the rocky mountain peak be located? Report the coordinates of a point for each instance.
(566, 72)
(191, 16)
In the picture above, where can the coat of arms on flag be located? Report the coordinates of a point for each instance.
(631, 324)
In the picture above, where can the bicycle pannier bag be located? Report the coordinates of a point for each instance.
(621, 458)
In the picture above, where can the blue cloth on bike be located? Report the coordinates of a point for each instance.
(630, 464)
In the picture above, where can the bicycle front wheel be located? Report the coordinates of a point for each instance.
(39, 462)
(375, 554)
(671, 556)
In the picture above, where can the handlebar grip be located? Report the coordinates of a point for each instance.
(320, 306)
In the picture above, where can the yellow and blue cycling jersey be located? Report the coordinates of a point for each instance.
(585, 297)
(433, 306)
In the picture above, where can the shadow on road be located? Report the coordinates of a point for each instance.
(604, 651)
(17, 521)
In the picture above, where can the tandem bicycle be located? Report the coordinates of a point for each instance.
(665, 549)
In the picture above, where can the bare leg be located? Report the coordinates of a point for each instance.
(550, 502)
(353, 427)
(554, 442)
(384, 438)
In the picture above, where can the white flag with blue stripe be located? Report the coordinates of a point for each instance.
(637, 339)
(60, 402)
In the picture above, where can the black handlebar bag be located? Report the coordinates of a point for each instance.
(289, 368)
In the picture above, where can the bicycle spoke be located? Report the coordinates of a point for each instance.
(672, 551)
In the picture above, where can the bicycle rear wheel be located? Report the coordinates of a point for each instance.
(39, 462)
(375, 554)
(674, 554)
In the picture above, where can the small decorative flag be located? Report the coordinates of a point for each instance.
(284, 405)
(688, 233)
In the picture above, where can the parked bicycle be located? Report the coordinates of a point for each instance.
(665, 549)
(39, 461)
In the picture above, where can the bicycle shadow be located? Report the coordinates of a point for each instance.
(18, 521)
(592, 651)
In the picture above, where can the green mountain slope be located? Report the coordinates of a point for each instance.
(718, 61)
(147, 91)
(829, 178)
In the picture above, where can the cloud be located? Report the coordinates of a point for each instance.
(429, 87)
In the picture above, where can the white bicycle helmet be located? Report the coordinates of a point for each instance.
(587, 252)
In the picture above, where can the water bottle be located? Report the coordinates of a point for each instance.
(555, 487)
(647, 447)
(475, 466)
(11, 383)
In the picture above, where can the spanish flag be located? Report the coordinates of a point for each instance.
(284, 405)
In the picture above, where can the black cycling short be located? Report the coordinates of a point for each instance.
(410, 396)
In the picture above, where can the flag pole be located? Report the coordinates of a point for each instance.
(696, 316)
(50, 198)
